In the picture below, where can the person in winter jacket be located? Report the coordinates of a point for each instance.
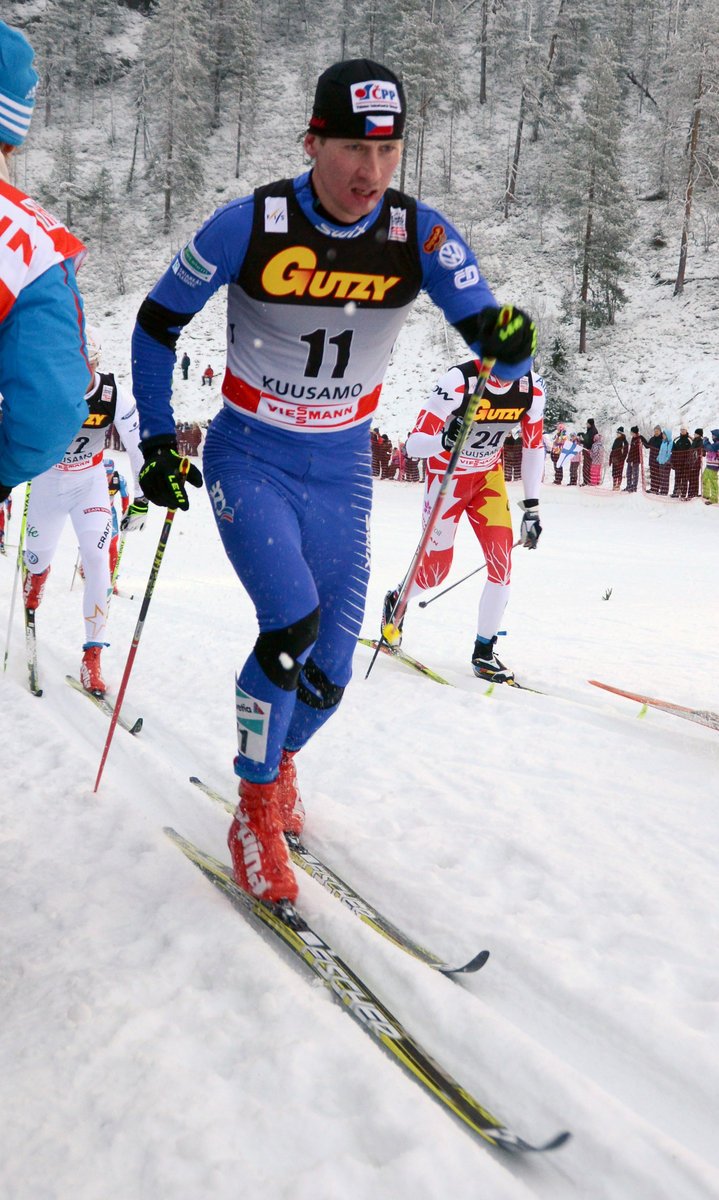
(575, 460)
(710, 478)
(664, 458)
(695, 464)
(44, 370)
(560, 438)
(682, 454)
(654, 446)
(617, 457)
(185, 363)
(589, 437)
(596, 460)
(634, 458)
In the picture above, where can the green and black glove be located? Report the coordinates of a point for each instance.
(135, 516)
(507, 334)
(162, 480)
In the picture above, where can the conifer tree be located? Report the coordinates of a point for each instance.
(695, 85)
(596, 198)
(177, 97)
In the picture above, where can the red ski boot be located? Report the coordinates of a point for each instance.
(260, 858)
(90, 670)
(289, 801)
(33, 587)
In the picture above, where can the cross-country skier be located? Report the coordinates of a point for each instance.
(478, 489)
(77, 487)
(322, 271)
(44, 370)
(116, 486)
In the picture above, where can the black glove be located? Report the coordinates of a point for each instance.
(160, 477)
(135, 516)
(530, 528)
(4, 492)
(507, 334)
(450, 433)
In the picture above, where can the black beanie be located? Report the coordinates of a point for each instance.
(635, 429)
(620, 429)
(359, 99)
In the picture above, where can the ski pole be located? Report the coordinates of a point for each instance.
(18, 568)
(424, 603)
(120, 549)
(77, 564)
(154, 571)
(391, 632)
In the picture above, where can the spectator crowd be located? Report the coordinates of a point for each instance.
(683, 467)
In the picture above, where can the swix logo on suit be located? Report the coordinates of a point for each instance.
(293, 272)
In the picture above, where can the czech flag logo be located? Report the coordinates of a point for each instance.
(380, 127)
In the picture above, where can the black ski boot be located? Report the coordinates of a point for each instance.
(388, 608)
(486, 665)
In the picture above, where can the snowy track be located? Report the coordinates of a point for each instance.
(153, 1045)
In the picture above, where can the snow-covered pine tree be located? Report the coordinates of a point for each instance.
(694, 88)
(595, 196)
(178, 99)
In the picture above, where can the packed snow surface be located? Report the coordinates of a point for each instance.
(152, 1044)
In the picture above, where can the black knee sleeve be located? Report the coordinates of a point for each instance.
(316, 690)
(278, 651)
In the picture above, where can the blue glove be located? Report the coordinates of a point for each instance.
(530, 528)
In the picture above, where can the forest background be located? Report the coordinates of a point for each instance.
(574, 143)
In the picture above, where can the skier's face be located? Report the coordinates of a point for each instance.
(350, 178)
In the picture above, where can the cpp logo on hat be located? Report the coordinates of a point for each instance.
(375, 95)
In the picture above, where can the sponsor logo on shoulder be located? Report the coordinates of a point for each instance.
(467, 277)
(275, 214)
(452, 255)
(191, 268)
(397, 224)
(375, 95)
(437, 238)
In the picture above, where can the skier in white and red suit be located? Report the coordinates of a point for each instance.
(478, 489)
(77, 487)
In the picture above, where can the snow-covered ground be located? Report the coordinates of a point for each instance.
(153, 1045)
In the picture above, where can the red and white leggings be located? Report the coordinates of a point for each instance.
(483, 496)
